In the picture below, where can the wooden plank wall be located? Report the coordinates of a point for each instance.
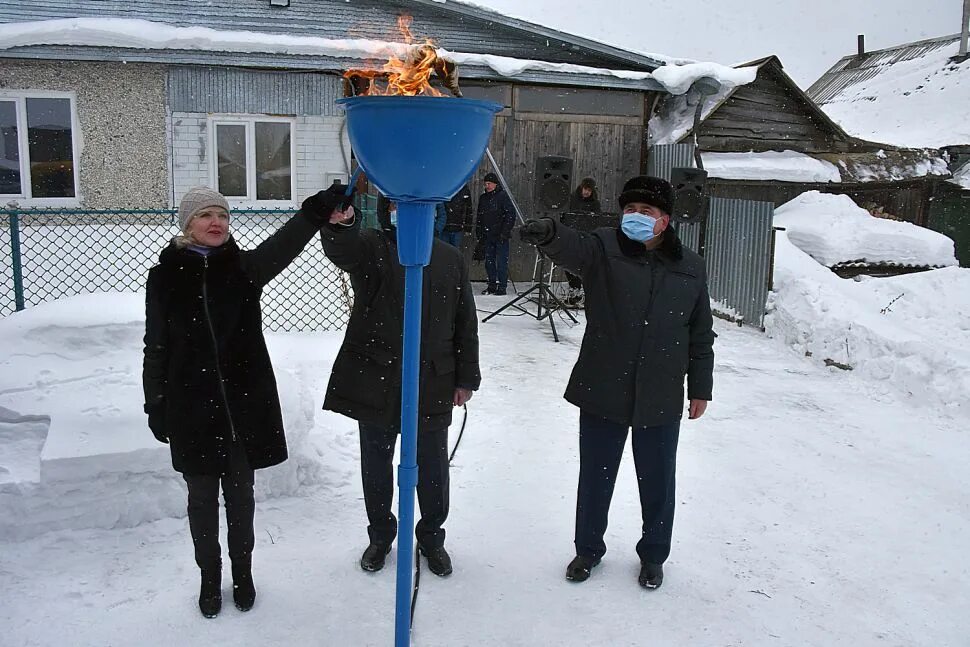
(767, 115)
(606, 148)
(908, 201)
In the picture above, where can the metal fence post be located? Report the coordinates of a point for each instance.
(18, 274)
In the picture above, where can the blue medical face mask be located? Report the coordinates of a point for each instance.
(394, 217)
(638, 226)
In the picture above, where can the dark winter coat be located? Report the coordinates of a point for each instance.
(459, 210)
(365, 383)
(496, 216)
(578, 204)
(207, 375)
(648, 325)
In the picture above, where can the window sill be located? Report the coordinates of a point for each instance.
(14, 202)
(246, 205)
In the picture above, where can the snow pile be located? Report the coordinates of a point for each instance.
(675, 117)
(832, 230)
(912, 331)
(144, 34)
(786, 166)
(961, 177)
(75, 449)
(919, 102)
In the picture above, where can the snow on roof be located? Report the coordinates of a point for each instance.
(889, 166)
(144, 34)
(833, 230)
(787, 166)
(676, 115)
(907, 96)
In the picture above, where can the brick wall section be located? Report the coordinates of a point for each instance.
(121, 112)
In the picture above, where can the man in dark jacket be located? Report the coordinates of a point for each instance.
(496, 217)
(459, 217)
(366, 380)
(648, 326)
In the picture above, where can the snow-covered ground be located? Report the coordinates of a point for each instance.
(911, 332)
(816, 507)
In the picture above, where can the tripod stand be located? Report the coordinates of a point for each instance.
(540, 295)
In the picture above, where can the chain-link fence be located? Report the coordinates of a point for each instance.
(48, 254)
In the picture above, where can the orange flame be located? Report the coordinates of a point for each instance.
(407, 77)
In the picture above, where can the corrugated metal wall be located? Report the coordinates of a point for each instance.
(213, 89)
(660, 160)
(738, 241)
(738, 252)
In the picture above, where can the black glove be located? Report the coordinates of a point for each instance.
(320, 205)
(537, 232)
(479, 253)
(156, 421)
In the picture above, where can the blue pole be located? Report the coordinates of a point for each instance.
(415, 233)
(18, 272)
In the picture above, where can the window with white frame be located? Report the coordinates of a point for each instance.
(38, 153)
(253, 158)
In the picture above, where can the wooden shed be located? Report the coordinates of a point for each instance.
(769, 141)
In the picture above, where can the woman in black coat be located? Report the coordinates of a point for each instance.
(210, 392)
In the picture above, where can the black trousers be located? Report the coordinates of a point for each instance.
(237, 490)
(601, 445)
(377, 474)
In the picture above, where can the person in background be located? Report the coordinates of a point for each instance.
(440, 219)
(649, 326)
(459, 217)
(496, 218)
(210, 392)
(585, 199)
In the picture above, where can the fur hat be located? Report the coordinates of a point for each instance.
(648, 190)
(197, 199)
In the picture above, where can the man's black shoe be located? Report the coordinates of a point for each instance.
(500, 292)
(373, 558)
(580, 568)
(651, 575)
(439, 562)
(489, 290)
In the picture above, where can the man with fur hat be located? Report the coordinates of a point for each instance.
(648, 327)
(496, 217)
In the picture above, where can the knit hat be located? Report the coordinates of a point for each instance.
(648, 190)
(491, 177)
(197, 199)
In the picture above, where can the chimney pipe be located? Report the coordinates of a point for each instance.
(861, 39)
(964, 28)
